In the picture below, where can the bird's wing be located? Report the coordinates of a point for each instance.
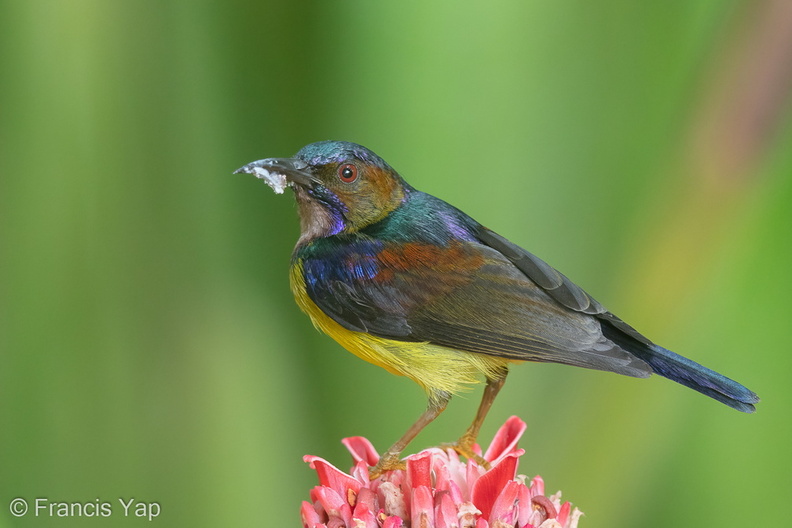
(545, 276)
(556, 284)
(467, 296)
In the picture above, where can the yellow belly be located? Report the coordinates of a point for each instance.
(433, 367)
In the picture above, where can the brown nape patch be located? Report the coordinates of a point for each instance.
(381, 193)
(386, 185)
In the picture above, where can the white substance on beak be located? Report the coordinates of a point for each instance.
(274, 179)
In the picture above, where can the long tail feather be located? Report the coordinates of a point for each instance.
(687, 372)
(700, 378)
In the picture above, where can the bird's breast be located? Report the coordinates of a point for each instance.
(433, 367)
(355, 342)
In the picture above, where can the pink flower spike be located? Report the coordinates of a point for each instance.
(505, 440)
(436, 490)
(361, 449)
(489, 485)
(332, 477)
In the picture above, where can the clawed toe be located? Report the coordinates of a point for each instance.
(465, 449)
(388, 462)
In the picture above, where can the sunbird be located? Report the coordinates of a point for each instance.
(410, 283)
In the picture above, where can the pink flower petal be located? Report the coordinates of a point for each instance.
(456, 494)
(367, 498)
(453, 458)
(419, 470)
(563, 513)
(462, 474)
(490, 484)
(573, 519)
(445, 511)
(361, 449)
(422, 508)
(543, 504)
(442, 474)
(392, 499)
(332, 477)
(397, 477)
(333, 503)
(524, 507)
(468, 515)
(472, 473)
(393, 522)
(505, 507)
(537, 486)
(310, 517)
(505, 440)
(360, 472)
(363, 517)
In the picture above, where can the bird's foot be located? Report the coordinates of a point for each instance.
(464, 447)
(388, 462)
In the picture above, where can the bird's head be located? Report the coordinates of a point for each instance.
(339, 186)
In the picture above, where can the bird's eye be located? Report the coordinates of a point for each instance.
(347, 173)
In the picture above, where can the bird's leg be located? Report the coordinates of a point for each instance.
(390, 459)
(464, 446)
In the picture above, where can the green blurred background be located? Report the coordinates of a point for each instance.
(149, 344)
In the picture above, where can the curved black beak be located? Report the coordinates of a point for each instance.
(280, 173)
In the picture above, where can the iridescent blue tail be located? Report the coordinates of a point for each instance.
(697, 377)
(680, 369)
